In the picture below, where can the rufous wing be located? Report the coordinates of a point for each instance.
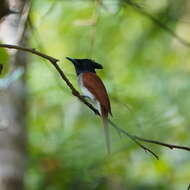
(95, 85)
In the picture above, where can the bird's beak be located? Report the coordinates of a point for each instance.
(72, 60)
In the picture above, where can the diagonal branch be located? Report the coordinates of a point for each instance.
(33, 51)
(156, 21)
(135, 138)
(53, 61)
(171, 146)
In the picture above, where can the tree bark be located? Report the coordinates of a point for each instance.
(13, 101)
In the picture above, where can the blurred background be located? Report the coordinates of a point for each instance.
(146, 72)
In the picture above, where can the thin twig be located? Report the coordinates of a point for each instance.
(156, 21)
(171, 146)
(188, 187)
(33, 51)
(136, 139)
(133, 138)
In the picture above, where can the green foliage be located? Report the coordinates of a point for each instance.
(147, 77)
(4, 59)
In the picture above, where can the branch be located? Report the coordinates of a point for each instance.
(171, 146)
(53, 61)
(156, 21)
(135, 138)
(188, 187)
(33, 51)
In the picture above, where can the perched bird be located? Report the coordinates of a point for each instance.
(93, 88)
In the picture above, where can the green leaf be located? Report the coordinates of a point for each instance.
(4, 60)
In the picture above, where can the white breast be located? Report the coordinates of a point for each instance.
(84, 90)
(87, 93)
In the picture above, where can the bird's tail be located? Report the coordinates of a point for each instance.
(106, 132)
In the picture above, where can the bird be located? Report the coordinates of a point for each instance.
(93, 89)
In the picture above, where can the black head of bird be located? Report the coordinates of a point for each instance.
(85, 65)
